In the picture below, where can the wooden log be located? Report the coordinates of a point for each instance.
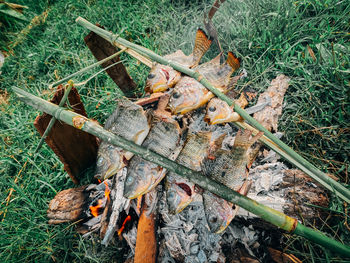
(76, 149)
(101, 49)
(286, 190)
(118, 204)
(146, 243)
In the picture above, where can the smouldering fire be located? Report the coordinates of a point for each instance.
(95, 209)
(107, 190)
(127, 219)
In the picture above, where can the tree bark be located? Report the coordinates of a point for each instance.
(101, 49)
(76, 149)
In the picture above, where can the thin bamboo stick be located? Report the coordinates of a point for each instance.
(68, 88)
(86, 68)
(136, 55)
(284, 150)
(270, 215)
(67, 91)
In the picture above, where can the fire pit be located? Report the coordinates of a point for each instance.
(146, 224)
(106, 215)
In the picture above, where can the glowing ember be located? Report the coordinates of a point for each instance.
(94, 209)
(107, 191)
(127, 219)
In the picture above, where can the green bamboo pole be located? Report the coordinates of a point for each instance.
(268, 214)
(284, 150)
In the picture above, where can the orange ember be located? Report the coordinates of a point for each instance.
(94, 209)
(127, 219)
(107, 191)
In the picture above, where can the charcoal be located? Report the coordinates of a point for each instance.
(130, 238)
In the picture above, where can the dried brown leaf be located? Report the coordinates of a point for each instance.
(311, 52)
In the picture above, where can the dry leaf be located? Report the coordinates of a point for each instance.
(281, 257)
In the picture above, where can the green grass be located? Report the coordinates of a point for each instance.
(271, 37)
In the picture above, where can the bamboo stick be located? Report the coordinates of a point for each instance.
(268, 214)
(136, 55)
(86, 68)
(68, 88)
(284, 150)
(67, 91)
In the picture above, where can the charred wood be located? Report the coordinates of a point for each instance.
(286, 190)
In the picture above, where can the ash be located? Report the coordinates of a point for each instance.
(186, 237)
(198, 124)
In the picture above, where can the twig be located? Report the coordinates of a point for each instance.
(90, 78)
